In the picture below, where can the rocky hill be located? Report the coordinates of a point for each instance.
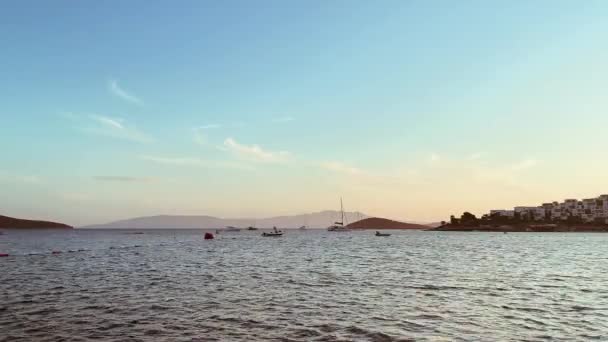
(381, 223)
(15, 223)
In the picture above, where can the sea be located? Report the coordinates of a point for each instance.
(311, 285)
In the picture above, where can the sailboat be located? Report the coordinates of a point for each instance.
(339, 226)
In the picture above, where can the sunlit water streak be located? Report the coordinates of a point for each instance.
(306, 286)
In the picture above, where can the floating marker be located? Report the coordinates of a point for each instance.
(3, 254)
(209, 236)
(56, 252)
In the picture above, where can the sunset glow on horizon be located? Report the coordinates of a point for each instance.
(410, 110)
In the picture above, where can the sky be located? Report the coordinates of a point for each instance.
(411, 110)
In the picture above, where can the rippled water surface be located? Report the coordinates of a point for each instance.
(306, 286)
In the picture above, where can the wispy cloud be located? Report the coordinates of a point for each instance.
(475, 156)
(109, 122)
(25, 179)
(126, 179)
(29, 179)
(341, 167)
(209, 126)
(116, 128)
(524, 164)
(75, 196)
(283, 119)
(195, 162)
(255, 152)
(118, 91)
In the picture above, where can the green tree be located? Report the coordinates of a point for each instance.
(454, 220)
(469, 219)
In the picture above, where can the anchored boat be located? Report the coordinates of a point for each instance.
(274, 233)
(339, 226)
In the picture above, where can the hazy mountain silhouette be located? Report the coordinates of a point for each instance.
(11, 222)
(313, 220)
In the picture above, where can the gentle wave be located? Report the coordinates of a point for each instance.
(307, 286)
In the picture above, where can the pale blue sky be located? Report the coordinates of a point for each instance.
(409, 109)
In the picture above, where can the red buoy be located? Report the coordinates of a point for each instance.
(209, 236)
(3, 254)
(56, 252)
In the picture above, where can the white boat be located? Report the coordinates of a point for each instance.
(232, 229)
(339, 226)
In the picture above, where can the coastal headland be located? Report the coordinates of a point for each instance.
(15, 223)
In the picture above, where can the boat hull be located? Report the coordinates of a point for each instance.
(272, 234)
(338, 229)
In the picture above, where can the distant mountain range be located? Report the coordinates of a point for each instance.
(314, 220)
(11, 222)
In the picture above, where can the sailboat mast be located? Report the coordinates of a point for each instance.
(342, 210)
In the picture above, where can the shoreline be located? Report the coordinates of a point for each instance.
(526, 228)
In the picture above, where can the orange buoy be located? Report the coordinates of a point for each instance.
(209, 236)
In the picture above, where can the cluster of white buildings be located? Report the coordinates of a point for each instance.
(587, 210)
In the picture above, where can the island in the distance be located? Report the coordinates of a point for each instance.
(15, 223)
(382, 223)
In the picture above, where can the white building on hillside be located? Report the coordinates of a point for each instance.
(587, 210)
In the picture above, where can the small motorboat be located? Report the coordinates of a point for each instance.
(274, 233)
(382, 234)
(232, 229)
(252, 228)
